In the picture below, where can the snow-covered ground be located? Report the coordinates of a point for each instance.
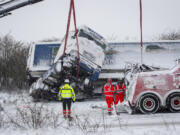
(90, 117)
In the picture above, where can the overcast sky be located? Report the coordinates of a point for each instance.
(113, 19)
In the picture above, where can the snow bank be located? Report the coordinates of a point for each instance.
(90, 117)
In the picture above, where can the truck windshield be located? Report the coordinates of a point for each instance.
(44, 54)
(88, 36)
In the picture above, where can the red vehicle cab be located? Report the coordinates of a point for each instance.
(150, 91)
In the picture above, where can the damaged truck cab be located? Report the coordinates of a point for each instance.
(40, 58)
(151, 91)
(53, 68)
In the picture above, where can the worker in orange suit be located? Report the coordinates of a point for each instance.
(120, 89)
(108, 91)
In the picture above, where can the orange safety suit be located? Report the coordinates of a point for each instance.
(108, 91)
(120, 92)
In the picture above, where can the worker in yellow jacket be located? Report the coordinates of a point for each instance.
(67, 95)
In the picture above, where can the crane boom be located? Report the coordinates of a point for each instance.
(9, 5)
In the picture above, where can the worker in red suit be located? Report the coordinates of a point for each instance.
(120, 89)
(108, 91)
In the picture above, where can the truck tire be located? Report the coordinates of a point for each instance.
(149, 103)
(173, 102)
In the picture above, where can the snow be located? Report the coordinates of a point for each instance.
(111, 75)
(158, 58)
(132, 86)
(88, 114)
(163, 72)
(150, 82)
(87, 48)
(40, 68)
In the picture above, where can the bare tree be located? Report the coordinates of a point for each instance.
(172, 35)
(13, 55)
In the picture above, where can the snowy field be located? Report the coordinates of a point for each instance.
(20, 116)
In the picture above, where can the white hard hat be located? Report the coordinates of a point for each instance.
(66, 81)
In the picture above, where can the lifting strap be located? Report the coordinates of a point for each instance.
(72, 8)
(141, 31)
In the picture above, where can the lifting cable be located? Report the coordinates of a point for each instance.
(141, 30)
(76, 36)
(77, 42)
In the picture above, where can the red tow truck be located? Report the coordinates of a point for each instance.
(150, 91)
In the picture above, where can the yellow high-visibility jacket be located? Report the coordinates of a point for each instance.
(66, 92)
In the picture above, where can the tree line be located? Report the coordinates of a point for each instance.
(13, 57)
(171, 35)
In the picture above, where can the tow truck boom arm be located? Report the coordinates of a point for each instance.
(10, 5)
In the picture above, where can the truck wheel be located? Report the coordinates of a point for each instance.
(174, 102)
(149, 103)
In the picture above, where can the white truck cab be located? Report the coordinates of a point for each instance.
(40, 58)
(49, 67)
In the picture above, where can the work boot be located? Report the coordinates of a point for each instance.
(64, 116)
(70, 118)
(109, 113)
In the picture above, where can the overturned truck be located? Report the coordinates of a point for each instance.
(46, 79)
